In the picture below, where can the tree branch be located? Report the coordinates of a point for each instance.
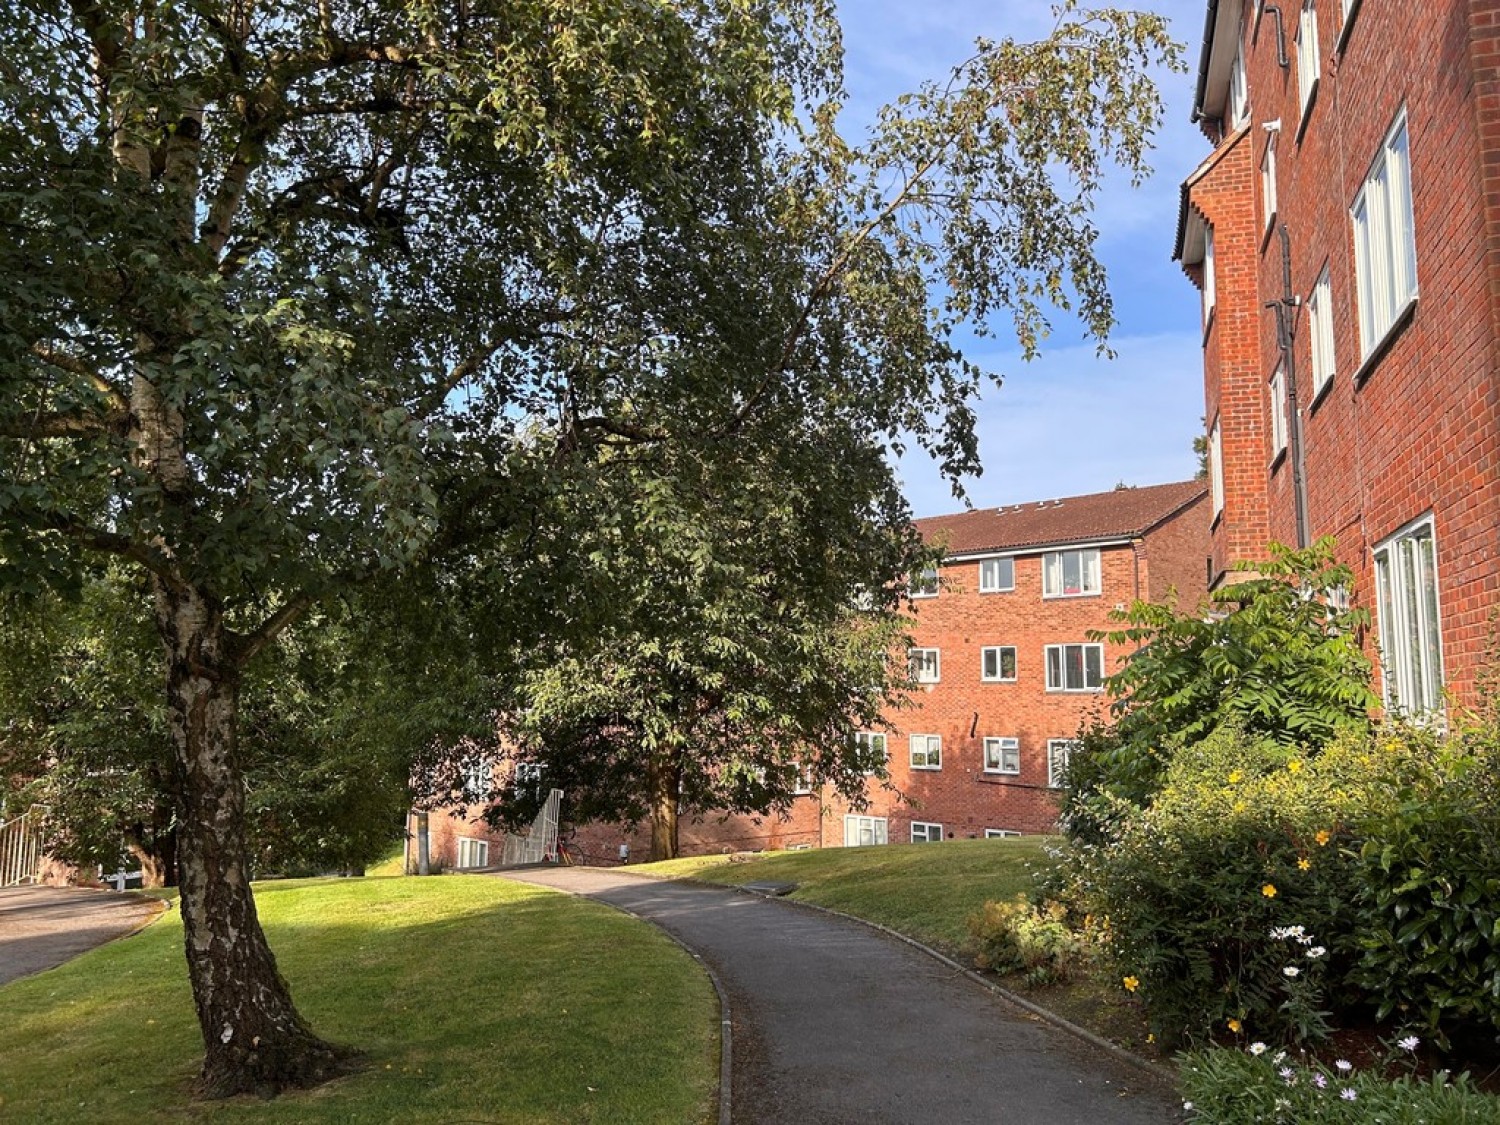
(251, 644)
(105, 542)
(76, 366)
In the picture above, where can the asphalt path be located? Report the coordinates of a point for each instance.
(44, 926)
(835, 1022)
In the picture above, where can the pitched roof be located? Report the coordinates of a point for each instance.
(1119, 514)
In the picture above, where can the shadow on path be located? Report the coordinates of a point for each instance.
(41, 927)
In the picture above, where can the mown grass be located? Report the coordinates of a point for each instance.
(926, 891)
(473, 1000)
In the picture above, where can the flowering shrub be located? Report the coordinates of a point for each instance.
(1259, 1086)
(1216, 896)
(1019, 937)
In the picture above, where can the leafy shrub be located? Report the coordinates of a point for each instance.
(1265, 1087)
(1206, 894)
(1272, 655)
(1020, 937)
(1429, 886)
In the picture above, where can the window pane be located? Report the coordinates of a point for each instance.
(1054, 667)
(1007, 663)
(1072, 572)
(1092, 580)
(1052, 569)
(991, 666)
(1006, 573)
(1094, 670)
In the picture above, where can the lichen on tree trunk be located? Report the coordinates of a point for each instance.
(254, 1039)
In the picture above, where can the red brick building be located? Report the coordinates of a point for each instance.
(1344, 233)
(1006, 673)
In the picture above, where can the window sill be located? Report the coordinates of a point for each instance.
(1265, 235)
(988, 680)
(1277, 461)
(1075, 691)
(1343, 44)
(927, 769)
(1085, 594)
(1321, 394)
(1307, 110)
(1208, 324)
(1001, 773)
(1001, 590)
(1383, 345)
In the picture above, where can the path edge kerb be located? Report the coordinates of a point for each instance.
(1156, 1070)
(726, 1058)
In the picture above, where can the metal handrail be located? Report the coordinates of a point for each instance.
(21, 848)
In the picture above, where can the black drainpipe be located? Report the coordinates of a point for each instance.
(1286, 311)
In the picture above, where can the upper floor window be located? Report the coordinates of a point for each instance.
(997, 575)
(926, 752)
(1210, 294)
(1268, 180)
(1385, 246)
(925, 583)
(1239, 89)
(1075, 667)
(997, 663)
(1002, 755)
(477, 773)
(924, 664)
(1069, 574)
(870, 750)
(1320, 323)
(1411, 646)
(1216, 466)
(1307, 57)
(1277, 394)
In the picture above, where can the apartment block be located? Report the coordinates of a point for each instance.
(1344, 235)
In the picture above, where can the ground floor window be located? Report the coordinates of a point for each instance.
(862, 831)
(1058, 752)
(999, 834)
(473, 853)
(1411, 646)
(922, 833)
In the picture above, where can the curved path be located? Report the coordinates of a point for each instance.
(834, 1022)
(44, 926)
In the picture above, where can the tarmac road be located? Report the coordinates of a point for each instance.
(44, 926)
(835, 1023)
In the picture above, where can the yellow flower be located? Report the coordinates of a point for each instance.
(1323, 836)
(1131, 984)
(1235, 777)
(1269, 890)
(1295, 765)
(1150, 1037)
(1234, 1026)
(1304, 864)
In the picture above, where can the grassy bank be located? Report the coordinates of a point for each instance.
(926, 891)
(473, 999)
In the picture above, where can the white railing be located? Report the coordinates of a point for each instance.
(541, 842)
(21, 848)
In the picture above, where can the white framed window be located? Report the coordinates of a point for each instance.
(1000, 834)
(1075, 667)
(997, 575)
(1320, 324)
(1385, 246)
(997, 664)
(1059, 750)
(1308, 66)
(1210, 290)
(924, 833)
(473, 853)
(476, 779)
(871, 750)
(1002, 755)
(926, 752)
(802, 785)
(1268, 180)
(527, 778)
(925, 665)
(1239, 88)
(865, 831)
(1071, 574)
(1276, 392)
(925, 583)
(1411, 644)
(1216, 466)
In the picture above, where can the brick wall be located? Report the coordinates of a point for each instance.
(1417, 430)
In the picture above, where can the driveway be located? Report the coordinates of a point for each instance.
(44, 926)
(834, 1022)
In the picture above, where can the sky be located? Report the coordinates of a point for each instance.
(1068, 422)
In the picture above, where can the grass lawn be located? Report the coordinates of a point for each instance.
(474, 1000)
(926, 891)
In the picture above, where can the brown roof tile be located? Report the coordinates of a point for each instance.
(1118, 514)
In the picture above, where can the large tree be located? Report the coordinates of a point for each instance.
(301, 295)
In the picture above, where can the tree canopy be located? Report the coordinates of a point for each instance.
(305, 298)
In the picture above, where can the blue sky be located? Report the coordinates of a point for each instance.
(1068, 422)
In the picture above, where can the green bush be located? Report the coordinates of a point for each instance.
(1229, 900)
(1429, 886)
(1265, 1087)
(1035, 940)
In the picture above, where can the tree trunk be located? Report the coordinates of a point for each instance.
(666, 786)
(254, 1039)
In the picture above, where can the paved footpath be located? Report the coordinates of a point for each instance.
(44, 926)
(834, 1022)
